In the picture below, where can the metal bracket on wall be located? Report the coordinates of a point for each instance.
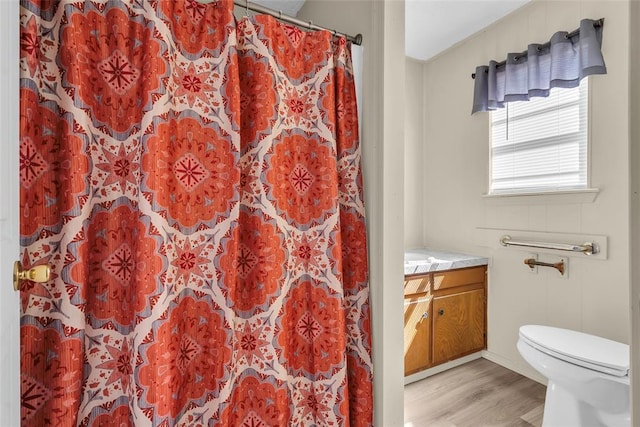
(533, 267)
(561, 266)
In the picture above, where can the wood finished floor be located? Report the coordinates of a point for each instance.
(478, 393)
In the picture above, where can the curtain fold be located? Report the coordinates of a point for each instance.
(562, 62)
(195, 185)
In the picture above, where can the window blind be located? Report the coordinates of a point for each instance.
(540, 145)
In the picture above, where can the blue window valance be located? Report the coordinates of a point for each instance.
(562, 62)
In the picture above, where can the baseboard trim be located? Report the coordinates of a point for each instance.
(512, 365)
(441, 368)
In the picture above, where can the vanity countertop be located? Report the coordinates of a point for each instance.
(418, 261)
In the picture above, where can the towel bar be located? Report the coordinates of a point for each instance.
(588, 248)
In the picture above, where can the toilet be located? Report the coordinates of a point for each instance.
(588, 376)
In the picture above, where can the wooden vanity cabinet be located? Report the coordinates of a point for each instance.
(444, 316)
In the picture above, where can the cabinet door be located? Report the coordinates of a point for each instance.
(417, 334)
(458, 325)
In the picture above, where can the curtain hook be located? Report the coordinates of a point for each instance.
(311, 25)
(280, 12)
(246, 7)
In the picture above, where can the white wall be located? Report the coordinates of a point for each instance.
(413, 165)
(634, 163)
(9, 216)
(595, 297)
(382, 25)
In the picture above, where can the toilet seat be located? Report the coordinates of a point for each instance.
(589, 351)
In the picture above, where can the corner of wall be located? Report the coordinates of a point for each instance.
(634, 215)
(413, 154)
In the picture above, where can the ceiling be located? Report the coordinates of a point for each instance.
(288, 7)
(432, 26)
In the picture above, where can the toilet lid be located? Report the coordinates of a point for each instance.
(589, 351)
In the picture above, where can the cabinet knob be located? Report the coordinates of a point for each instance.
(441, 311)
(425, 314)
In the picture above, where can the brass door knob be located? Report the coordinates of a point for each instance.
(39, 274)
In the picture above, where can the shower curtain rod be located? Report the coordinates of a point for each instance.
(357, 39)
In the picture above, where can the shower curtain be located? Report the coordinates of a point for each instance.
(194, 183)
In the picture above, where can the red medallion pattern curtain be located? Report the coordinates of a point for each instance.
(195, 185)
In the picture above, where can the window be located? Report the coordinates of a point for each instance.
(540, 145)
